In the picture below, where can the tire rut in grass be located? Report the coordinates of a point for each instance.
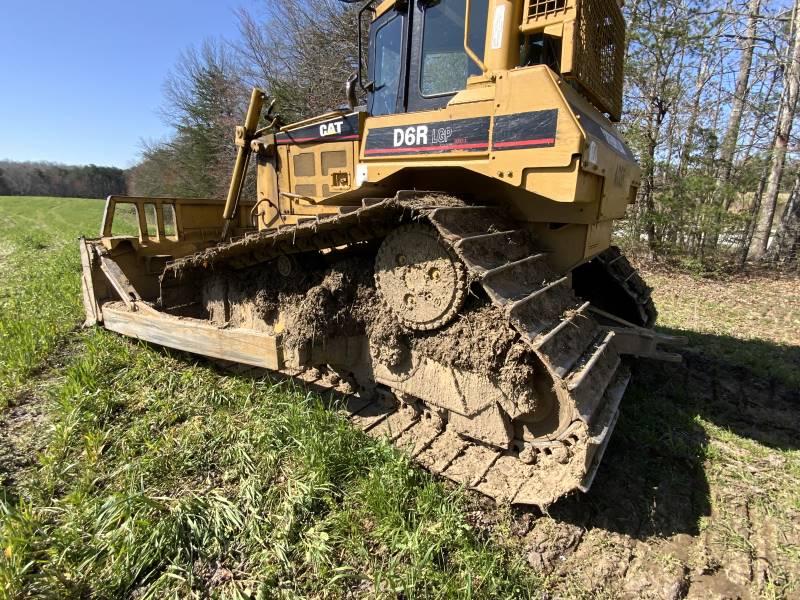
(694, 498)
(19, 442)
(23, 421)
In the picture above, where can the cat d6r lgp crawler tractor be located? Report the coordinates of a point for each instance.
(440, 256)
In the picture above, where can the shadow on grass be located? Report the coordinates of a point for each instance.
(652, 481)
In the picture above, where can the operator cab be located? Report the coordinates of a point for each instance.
(430, 33)
(417, 58)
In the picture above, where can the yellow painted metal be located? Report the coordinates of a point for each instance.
(383, 7)
(501, 51)
(195, 223)
(243, 151)
(592, 36)
(580, 181)
(530, 168)
(315, 119)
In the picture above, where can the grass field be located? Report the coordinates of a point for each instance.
(130, 471)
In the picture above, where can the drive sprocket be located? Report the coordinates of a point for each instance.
(419, 279)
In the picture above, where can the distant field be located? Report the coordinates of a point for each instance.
(131, 471)
(39, 269)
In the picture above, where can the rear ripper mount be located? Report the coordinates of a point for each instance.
(465, 348)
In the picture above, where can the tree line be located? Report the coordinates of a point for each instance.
(711, 100)
(51, 179)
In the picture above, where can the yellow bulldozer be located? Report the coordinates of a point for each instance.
(440, 256)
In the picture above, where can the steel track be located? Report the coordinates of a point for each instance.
(585, 372)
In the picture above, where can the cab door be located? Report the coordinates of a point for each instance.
(388, 61)
(439, 66)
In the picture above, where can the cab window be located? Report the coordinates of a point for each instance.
(445, 65)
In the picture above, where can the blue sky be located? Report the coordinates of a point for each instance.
(81, 80)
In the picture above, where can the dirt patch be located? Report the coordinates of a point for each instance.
(19, 439)
(696, 497)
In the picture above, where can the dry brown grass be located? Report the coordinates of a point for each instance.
(765, 306)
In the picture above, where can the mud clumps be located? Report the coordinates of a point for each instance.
(388, 343)
(343, 302)
(312, 300)
(476, 340)
(429, 200)
(518, 374)
(479, 340)
(326, 297)
(337, 305)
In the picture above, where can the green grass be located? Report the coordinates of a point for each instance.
(153, 475)
(39, 272)
(157, 475)
(162, 478)
(751, 322)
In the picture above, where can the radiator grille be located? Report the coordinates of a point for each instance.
(599, 54)
(540, 9)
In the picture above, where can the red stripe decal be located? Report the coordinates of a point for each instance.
(479, 145)
(539, 142)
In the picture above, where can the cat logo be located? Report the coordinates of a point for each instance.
(332, 128)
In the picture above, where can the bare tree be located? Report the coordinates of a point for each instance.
(740, 94)
(783, 130)
(301, 52)
(785, 249)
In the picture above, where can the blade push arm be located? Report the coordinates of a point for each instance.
(243, 137)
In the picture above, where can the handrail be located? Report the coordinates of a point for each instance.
(481, 65)
(364, 8)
